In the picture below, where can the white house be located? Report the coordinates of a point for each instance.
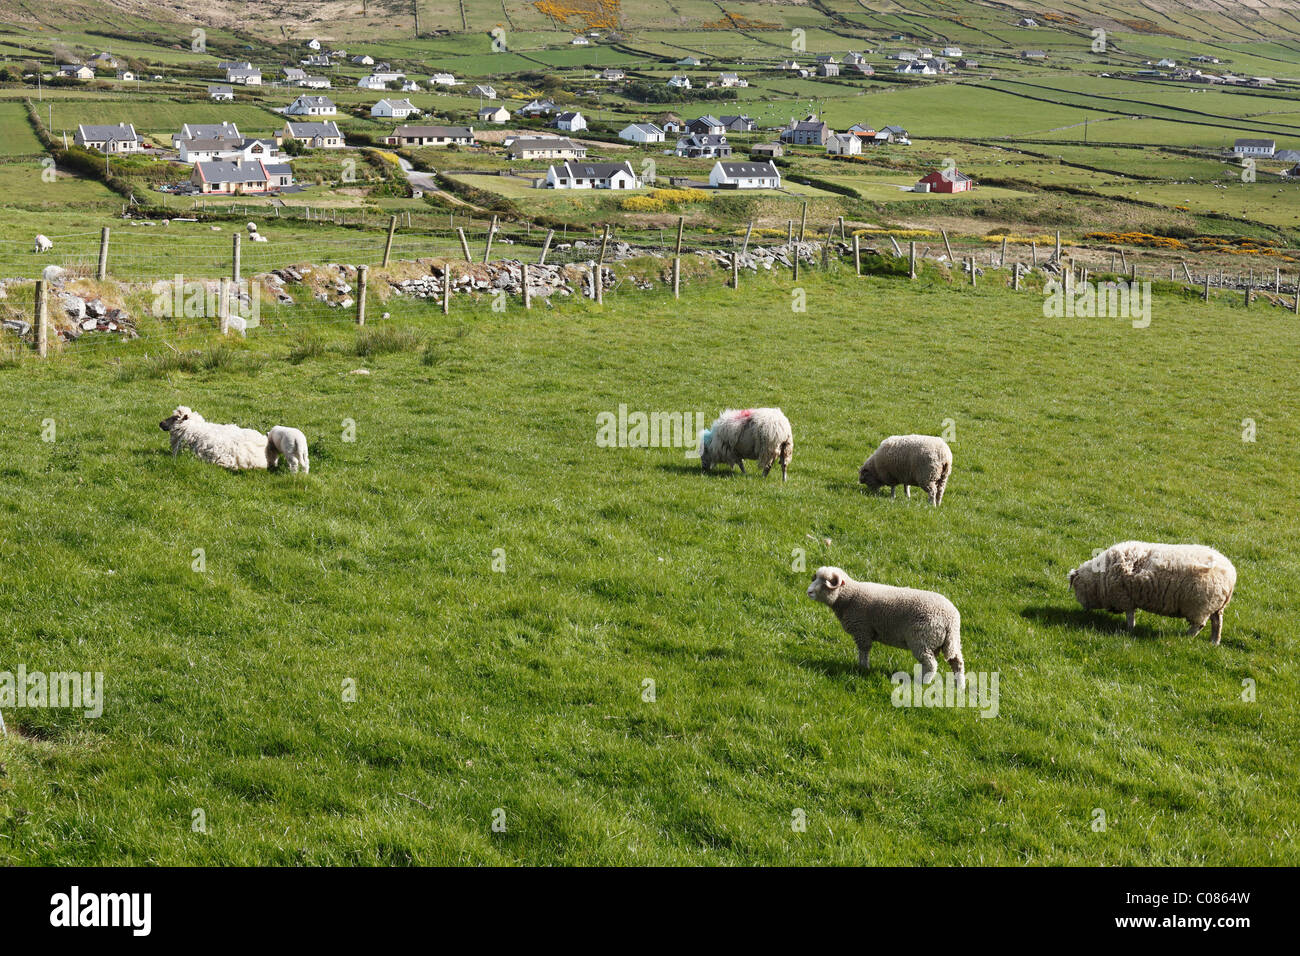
(410, 86)
(679, 81)
(363, 59)
(432, 136)
(380, 81)
(126, 76)
(571, 122)
(442, 79)
(731, 79)
(544, 147)
(493, 114)
(580, 41)
(485, 91)
(1254, 147)
(394, 109)
(844, 144)
(221, 93)
(307, 105)
(314, 135)
(642, 133)
(245, 77)
(584, 175)
(121, 138)
(294, 74)
(744, 175)
(76, 71)
(950, 51)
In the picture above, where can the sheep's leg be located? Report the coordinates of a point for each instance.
(928, 666)
(958, 671)
(742, 466)
(933, 491)
(941, 484)
(864, 653)
(908, 489)
(1131, 620)
(1216, 626)
(893, 491)
(767, 468)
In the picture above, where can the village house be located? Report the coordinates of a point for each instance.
(583, 175)
(950, 51)
(703, 146)
(442, 79)
(103, 61)
(306, 105)
(544, 147)
(853, 59)
(75, 71)
(394, 109)
(862, 131)
(363, 59)
(670, 122)
(410, 86)
(679, 81)
(1033, 55)
(236, 177)
(946, 180)
(380, 81)
(121, 138)
(731, 80)
(196, 131)
(690, 61)
(611, 75)
(580, 41)
(788, 65)
(967, 64)
(244, 76)
(844, 144)
(1026, 22)
(642, 133)
(538, 108)
(126, 76)
(485, 91)
(313, 135)
(1254, 147)
(891, 134)
(225, 65)
(316, 59)
(432, 136)
(767, 151)
(295, 74)
(706, 125)
(744, 175)
(223, 147)
(828, 69)
(221, 93)
(493, 114)
(571, 122)
(806, 132)
(738, 124)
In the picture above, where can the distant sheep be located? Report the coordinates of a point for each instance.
(226, 445)
(921, 460)
(924, 622)
(289, 443)
(1174, 580)
(760, 434)
(253, 234)
(43, 244)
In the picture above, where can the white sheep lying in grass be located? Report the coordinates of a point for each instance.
(43, 244)
(924, 622)
(1189, 581)
(226, 445)
(253, 234)
(289, 443)
(921, 460)
(761, 434)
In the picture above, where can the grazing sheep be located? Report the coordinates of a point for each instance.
(226, 445)
(253, 234)
(290, 443)
(43, 244)
(762, 434)
(924, 622)
(907, 460)
(1189, 581)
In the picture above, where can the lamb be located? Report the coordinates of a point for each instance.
(924, 622)
(762, 434)
(907, 460)
(43, 244)
(290, 443)
(226, 445)
(1189, 581)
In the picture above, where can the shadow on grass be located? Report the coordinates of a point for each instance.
(1079, 619)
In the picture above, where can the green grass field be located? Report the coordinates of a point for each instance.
(520, 689)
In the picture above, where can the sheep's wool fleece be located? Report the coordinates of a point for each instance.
(1176, 580)
(229, 446)
(292, 444)
(918, 460)
(759, 434)
(921, 621)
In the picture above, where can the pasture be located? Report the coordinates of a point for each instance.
(499, 589)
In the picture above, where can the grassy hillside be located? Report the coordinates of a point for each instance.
(522, 688)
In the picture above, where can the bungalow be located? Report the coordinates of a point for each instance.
(1205, 59)
(707, 125)
(195, 131)
(642, 133)
(432, 136)
(571, 122)
(315, 135)
(826, 58)
(739, 124)
(1254, 147)
(316, 59)
(442, 79)
(225, 65)
(946, 180)
(1033, 55)
(380, 81)
(862, 131)
(767, 151)
(844, 144)
(580, 41)
(410, 86)
(582, 175)
(126, 76)
(950, 51)
(311, 106)
(221, 93)
(892, 134)
(729, 80)
(539, 108)
(109, 139)
(493, 114)
(916, 68)
(1166, 63)
(744, 175)
(690, 61)
(363, 59)
(244, 77)
(1026, 22)
(703, 146)
(807, 132)
(611, 75)
(485, 91)
(679, 81)
(545, 147)
(394, 109)
(294, 74)
(231, 177)
(75, 71)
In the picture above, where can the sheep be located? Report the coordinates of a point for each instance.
(907, 460)
(253, 234)
(226, 445)
(1189, 581)
(290, 443)
(762, 434)
(924, 622)
(43, 244)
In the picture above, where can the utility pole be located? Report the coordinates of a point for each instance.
(415, 8)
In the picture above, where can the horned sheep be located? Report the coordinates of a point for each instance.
(1189, 581)
(760, 434)
(924, 622)
(921, 460)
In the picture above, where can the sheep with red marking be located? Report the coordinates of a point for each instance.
(759, 434)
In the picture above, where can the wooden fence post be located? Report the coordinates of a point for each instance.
(911, 259)
(1002, 259)
(803, 222)
(735, 270)
(600, 267)
(42, 319)
(1205, 296)
(946, 245)
(388, 244)
(842, 236)
(102, 272)
(446, 287)
(235, 257)
(464, 243)
(363, 278)
(550, 234)
(857, 254)
(972, 271)
(1015, 276)
(492, 231)
(744, 249)
(789, 231)
(1033, 255)
(523, 284)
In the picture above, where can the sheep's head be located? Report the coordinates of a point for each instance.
(1081, 582)
(182, 414)
(868, 476)
(706, 454)
(826, 585)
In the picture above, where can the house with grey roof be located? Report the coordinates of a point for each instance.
(121, 138)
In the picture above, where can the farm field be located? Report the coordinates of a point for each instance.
(522, 689)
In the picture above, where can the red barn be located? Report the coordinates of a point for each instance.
(945, 181)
